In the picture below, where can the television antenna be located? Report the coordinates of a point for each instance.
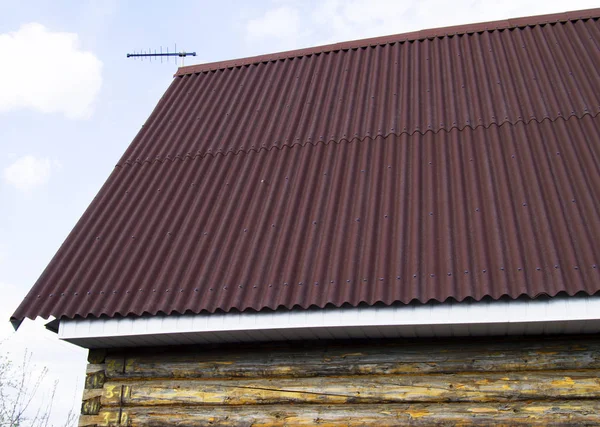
(160, 54)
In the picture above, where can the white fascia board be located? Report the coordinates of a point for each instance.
(517, 317)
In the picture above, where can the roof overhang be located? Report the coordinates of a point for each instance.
(557, 315)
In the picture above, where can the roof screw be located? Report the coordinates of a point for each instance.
(519, 269)
(398, 277)
(414, 276)
(300, 284)
(502, 268)
(357, 219)
(485, 271)
(594, 266)
(466, 271)
(576, 268)
(538, 269)
(432, 275)
(556, 266)
(524, 204)
(449, 274)
(381, 279)
(331, 281)
(316, 283)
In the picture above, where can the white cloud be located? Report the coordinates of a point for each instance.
(28, 172)
(281, 26)
(48, 72)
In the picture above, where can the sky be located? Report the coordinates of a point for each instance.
(71, 102)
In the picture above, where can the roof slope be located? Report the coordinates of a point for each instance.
(458, 166)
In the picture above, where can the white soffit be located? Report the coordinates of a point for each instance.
(516, 317)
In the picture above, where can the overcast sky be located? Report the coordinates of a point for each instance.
(70, 103)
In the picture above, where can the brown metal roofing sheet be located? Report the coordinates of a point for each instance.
(525, 74)
(460, 167)
(508, 210)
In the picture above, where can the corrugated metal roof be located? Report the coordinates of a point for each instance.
(452, 167)
(482, 79)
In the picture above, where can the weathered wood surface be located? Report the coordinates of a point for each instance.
(499, 387)
(391, 359)
(95, 377)
(536, 381)
(552, 413)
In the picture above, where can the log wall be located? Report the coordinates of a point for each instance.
(517, 381)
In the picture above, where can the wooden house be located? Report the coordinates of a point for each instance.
(395, 231)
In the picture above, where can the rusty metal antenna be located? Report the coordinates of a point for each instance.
(160, 54)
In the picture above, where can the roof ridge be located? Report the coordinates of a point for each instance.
(397, 38)
(204, 154)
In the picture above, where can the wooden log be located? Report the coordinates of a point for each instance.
(95, 380)
(96, 355)
(500, 387)
(363, 359)
(551, 413)
(95, 377)
(90, 406)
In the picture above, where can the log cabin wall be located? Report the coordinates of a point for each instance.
(516, 381)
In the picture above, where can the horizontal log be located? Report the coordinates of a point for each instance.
(92, 368)
(95, 380)
(91, 406)
(360, 389)
(557, 413)
(96, 355)
(386, 358)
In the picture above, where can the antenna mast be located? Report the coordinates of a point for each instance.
(149, 54)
